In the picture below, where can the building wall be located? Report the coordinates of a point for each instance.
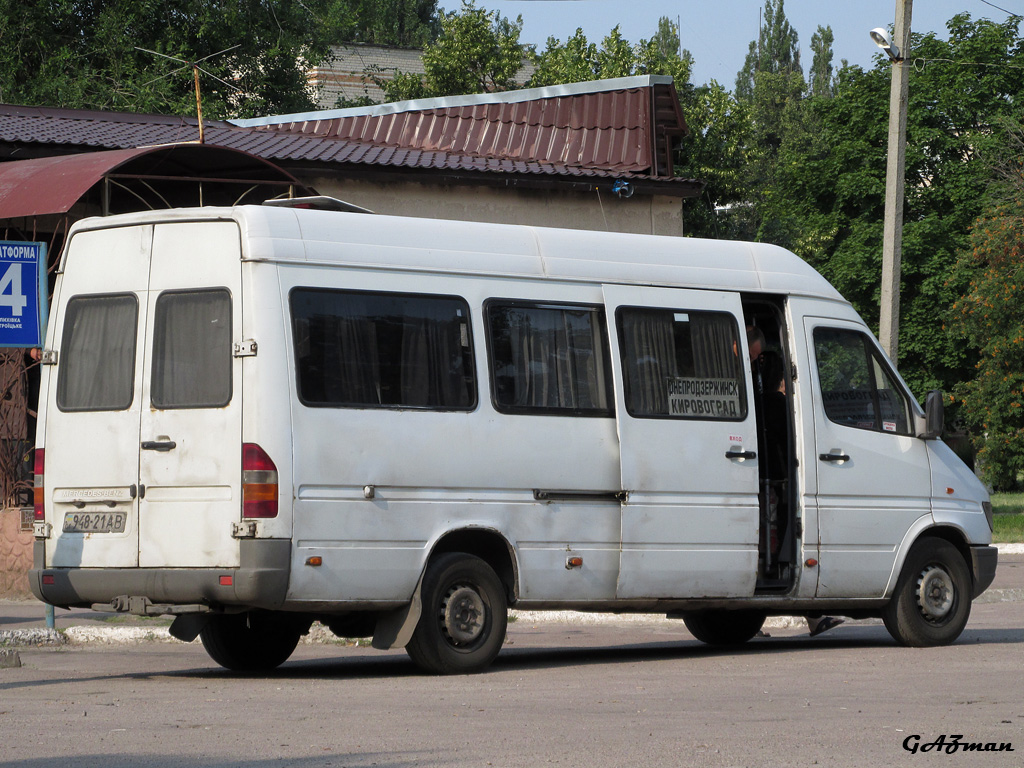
(351, 75)
(15, 555)
(599, 211)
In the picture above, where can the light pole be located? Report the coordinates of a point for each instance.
(892, 235)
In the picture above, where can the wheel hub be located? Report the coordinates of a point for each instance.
(935, 593)
(464, 614)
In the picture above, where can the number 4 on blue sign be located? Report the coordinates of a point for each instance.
(22, 293)
(11, 294)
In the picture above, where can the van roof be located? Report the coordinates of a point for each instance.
(461, 247)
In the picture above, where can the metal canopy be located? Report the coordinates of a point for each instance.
(123, 180)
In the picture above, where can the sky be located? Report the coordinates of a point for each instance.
(718, 32)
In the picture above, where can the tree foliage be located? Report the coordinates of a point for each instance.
(820, 78)
(578, 60)
(776, 51)
(988, 316)
(824, 197)
(85, 53)
(477, 51)
(408, 23)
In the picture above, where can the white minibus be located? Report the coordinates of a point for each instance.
(258, 417)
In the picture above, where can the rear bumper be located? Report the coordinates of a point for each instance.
(983, 567)
(261, 580)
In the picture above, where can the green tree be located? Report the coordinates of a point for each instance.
(821, 74)
(771, 88)
(988, 317)
(776, 51)
(578, 60)
(407, 23)
(478, 51)
(830, 186)
(574, 62)
(716, 152)
(85, 53)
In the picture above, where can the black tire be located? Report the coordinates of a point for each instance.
(464, 617)
(932, 600)
(245, 642)
(724, 628)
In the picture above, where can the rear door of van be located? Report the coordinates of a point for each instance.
(143, 430)
(688, 440)
(191, 428)
(93, 407)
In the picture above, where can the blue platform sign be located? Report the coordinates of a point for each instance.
(22, 294)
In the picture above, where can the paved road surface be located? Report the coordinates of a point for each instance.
(615, 693)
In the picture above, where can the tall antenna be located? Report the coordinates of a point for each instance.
(196, 69)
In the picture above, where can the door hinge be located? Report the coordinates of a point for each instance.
(246, 348)
(246, 530)
(41, 530)
(49, 357)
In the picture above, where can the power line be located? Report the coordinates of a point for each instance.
(986, 2)
(918, 64)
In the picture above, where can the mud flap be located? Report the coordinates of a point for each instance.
(394, 629)
(187, 626)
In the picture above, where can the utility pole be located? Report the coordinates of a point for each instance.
(892, 236)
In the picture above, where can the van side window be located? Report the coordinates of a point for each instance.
(192, 350)
(856, 387)
(682, 364)
(549, 359)
(383, 350)
(97, 353)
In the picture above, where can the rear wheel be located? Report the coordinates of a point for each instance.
(464, 618)
(932, 600)
(246, 642)
(724, 627)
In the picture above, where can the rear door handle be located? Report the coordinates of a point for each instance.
(734, 454)
(158, 445)
(833, 457)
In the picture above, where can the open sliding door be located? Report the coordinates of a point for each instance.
(688, 436)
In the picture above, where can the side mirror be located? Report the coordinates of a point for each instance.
(934, 415)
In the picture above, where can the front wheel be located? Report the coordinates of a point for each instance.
(932, 600)
(246, 642)
(464, 618)
(724, 628)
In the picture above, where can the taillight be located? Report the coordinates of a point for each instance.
(37, 486)
(259, 482)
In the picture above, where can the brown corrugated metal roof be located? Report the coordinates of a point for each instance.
(586, 130)
(607, 129)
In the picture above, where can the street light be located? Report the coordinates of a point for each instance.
(883, 41)
(892, 233)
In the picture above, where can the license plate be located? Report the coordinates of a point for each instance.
(94, 522)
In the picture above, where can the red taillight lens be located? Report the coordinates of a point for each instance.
(259, 482)
(37, 486)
